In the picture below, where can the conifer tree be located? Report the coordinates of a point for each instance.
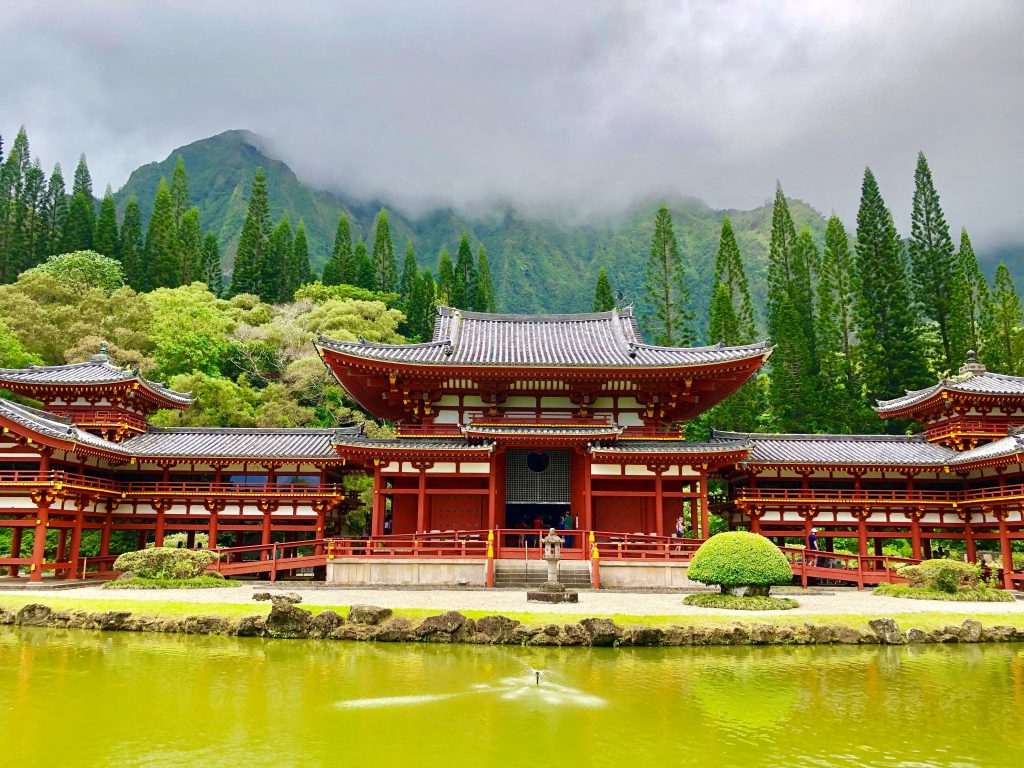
(212, 274)
(385, 266)
(179, 193)
(276, 257)
(843, 408)
(29, 235)
(729, 272)
(1003, 350)
(410, 276)
(604, 299)
(162, 261)
(81, 220)
(464, 289)
(106, 239)
(793, 385)
(669, 318)
(892, 358)
(56, 211)
(445, 277)
(484, 285)
(975, 290)
(938, 282)
(190, 248)
(300, 272)
(253, 241)
(130, 248)
(340, 267)
(365, 274)
(423, 321)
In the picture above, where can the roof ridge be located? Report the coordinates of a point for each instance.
(248, 430)
(512, 317)
(819, 437)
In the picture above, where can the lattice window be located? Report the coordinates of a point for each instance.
(524, 485)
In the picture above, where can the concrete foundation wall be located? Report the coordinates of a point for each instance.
(640, 574)
(353, 571)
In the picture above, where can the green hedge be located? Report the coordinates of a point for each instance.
(942, 575)
(971, 594)
(740, 559)
(165, 563)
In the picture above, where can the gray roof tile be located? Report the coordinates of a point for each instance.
(982, 383)
(239, 443)
(869, 450)
(94, 371)
(670, 447)
(599, 339)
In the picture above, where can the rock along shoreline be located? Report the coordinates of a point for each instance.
(372, 623)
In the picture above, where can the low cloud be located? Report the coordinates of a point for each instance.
(572, 106)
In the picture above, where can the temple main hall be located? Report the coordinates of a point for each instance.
(504, 426)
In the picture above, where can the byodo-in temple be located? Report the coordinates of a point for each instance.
(505, 425)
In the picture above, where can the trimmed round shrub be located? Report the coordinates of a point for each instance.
(942, 575)
(740, 559)
(165, 563)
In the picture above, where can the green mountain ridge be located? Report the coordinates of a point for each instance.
(538, 264)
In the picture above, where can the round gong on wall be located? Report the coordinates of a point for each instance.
(537, 461)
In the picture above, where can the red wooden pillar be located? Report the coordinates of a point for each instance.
(1006, 551)
(15, 550)
(659, 503)
(76, 542)
(140, 539)
(862, 536)
(972, 552)
(492, 496)
(42, 520)
(755, 524)
(421, 499)
(588, 494)
(915, 536)
(265, 534)
(211, 534)
(190, 539)
(705, 513)
(377, 513)
(108, 524)
(62, 552)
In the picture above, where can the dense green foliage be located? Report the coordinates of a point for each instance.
(942, 574)
(667, 316)
(83, 269)
(166, 562)
(740, 559)
(604, 299)
(740, 603)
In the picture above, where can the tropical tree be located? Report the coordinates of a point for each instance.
(669, 319)
(604, 299)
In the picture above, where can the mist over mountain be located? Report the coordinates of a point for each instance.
(540, 263)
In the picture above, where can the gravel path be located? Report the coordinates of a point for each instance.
(830, 600)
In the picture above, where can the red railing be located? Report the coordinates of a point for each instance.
(879, 496)
(969, 428)
(269, 558)
(809, 564)
(640, 546)
(106, 418)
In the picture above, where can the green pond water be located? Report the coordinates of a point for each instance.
(74, 698)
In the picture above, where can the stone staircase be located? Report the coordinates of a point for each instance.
(519, 573)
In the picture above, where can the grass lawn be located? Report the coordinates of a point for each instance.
(925, 620)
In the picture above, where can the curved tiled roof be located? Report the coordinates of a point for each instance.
(971, 383)
(598, 339)
(51, 425)
(997, 449)
(97, 370)
(869, 450)
(671, 446)
(230, 443)
(412, 443)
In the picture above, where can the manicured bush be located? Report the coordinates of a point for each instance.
(941, 575)
(736, 603)
(206, 581)
(969, 594)
(740, 559)
(165, 563)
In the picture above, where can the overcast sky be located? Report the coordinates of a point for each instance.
(578, 103)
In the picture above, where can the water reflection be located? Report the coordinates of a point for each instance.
(139, 700)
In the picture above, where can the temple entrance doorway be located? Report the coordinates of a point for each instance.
(537, 488)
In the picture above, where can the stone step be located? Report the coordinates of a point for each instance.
(522, 575)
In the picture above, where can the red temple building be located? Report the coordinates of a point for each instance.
(504, 425)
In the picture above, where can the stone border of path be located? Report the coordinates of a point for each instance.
(830, 600)
(375, 623)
